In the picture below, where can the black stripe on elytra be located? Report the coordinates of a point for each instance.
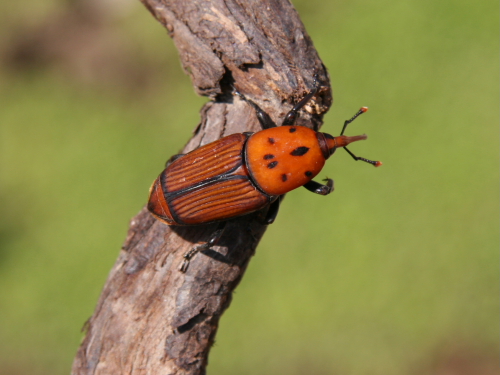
(272, 164)
(268, 156)
(172, 196)
(202, 184)
(299, 151)
(176, 193)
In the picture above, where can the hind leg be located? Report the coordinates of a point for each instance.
(214, 238)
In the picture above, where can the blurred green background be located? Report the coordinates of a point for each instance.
(394, 273)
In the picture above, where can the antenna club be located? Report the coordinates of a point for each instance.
(364, 109)
(377, 164)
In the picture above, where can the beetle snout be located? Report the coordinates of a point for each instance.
(344, 140)
(329, 143)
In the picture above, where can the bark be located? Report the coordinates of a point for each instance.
(151, 318)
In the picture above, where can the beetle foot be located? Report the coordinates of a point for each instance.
(318, 188)
(190, 254)
(329, 185)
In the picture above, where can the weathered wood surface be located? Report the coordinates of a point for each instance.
(151, 318)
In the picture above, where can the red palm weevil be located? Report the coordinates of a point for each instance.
(245, 172)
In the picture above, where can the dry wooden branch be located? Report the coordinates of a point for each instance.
(151, 318)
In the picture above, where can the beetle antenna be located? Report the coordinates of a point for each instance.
(372, 162)
(347, 122)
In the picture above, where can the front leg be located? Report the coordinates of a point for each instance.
(318, 188)
(294, 112)
(264, 119)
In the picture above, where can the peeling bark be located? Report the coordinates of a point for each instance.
(151, 318)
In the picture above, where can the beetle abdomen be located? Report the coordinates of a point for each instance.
(206, 162)
(283, 158)
(208, 184)
(229, 197)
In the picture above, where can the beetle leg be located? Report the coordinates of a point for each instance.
(272, 212)
(294, 112)
(172, 159)
(318, 188)
(205, 246)
(264, 119)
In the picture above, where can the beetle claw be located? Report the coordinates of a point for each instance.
(184, 266)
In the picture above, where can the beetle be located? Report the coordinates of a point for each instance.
(245, 172)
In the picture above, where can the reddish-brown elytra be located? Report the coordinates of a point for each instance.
(243, 173)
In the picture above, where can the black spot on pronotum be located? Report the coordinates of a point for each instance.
(272, 164)
(292, 130)
(284, 177)
(268, 156)
(299, 151)
(309, 173)
(271, 140)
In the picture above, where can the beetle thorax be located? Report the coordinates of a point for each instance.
(283, 158)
